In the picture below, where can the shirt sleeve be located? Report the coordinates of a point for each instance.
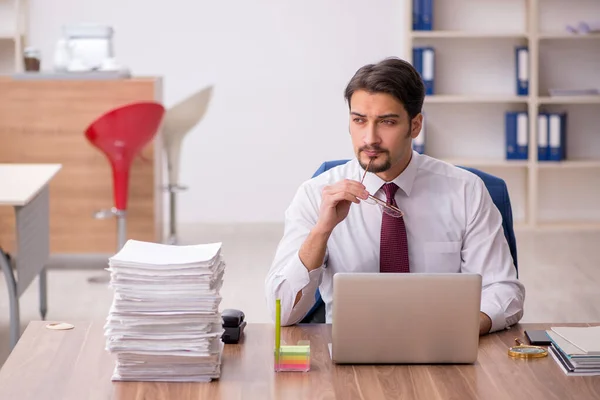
(486, 252)
(288, 275)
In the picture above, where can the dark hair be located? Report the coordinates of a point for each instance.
(393, 76)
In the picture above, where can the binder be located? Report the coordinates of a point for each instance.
(418, 60)
(517, 135)
(557, 124)
(424, 63)
(418, 143)
(426, 15)
(522, 70)
(422, 15)
(542, 136)
(417, 12)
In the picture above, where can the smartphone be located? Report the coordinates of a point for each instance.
(538, 338)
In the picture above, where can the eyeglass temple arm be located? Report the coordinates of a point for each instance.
(383, 203)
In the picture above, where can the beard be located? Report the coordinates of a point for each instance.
(381, 163)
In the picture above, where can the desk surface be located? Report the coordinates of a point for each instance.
(19, 183)
(74, 365)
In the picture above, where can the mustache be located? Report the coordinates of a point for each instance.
(373, 148)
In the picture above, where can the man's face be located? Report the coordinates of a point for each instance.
(381, 129)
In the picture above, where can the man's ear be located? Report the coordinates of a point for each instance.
(415, 125)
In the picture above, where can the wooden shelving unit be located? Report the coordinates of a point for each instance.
(475, 81)
(13, 34)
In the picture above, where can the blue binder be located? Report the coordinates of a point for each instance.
(417, 12)
(542, 136)
(418, 59)
(557, 134)
(522, 70)
(427, 15)
(422, 15)
(424, 63)
(517, 135)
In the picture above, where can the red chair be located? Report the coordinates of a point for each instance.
(121, 134)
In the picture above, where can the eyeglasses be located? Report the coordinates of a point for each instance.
(389, 209)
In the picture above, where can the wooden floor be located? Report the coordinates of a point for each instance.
(561, 273)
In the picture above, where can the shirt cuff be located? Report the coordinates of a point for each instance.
(496, 315)
(298, 275)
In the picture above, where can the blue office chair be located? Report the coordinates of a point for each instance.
(499, 193)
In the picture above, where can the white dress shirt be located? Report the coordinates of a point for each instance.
(451, 222)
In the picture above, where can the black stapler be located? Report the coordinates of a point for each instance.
(233, 323)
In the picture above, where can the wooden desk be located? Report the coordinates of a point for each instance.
(25, 188)
(74, 365)
(44, 121)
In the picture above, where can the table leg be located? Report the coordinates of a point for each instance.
(11, 284)
(43, 293)
(172, 218)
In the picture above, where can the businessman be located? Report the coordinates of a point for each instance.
(447, 223)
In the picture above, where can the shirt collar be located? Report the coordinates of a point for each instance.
(404, 181)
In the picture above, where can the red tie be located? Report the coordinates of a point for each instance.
(394, 245)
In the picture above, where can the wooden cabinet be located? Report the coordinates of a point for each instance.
(43, 121)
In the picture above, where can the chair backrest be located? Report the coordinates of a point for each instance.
(121, 134)
(178, 122)
(499, 194)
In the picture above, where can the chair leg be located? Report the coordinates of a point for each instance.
(43, 293)
(13, 299)
(121, 239)
(121, 229)
(172, 217)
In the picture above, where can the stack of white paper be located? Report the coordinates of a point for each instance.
(164, 323)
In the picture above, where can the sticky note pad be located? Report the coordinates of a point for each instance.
(293, 358)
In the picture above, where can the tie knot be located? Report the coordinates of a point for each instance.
(390, 191)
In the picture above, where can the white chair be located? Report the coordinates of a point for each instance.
(178, 122)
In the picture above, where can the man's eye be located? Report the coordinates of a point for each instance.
(389, 121)
(359, 120)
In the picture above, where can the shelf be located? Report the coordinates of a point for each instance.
(475, 71)
(475, 98)
(10, 36)
(467, 35)
(567, 226)
(483, 162)
(501, 163)
(567, 36)
(569, 164)
(569, 100)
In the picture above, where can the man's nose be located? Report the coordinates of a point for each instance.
(371, 136)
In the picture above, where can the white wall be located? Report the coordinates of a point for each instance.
(278, 69)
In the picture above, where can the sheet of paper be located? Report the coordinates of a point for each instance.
(156, 254)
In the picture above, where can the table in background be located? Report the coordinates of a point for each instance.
(25, 187)
(74, 365)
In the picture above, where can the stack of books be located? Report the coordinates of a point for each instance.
(164, 323)
(576, 349)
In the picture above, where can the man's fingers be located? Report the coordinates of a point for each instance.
(355, 188)
(335, 198)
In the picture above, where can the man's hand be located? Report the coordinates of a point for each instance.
(335, 206)
(336, 202)
(485, 323)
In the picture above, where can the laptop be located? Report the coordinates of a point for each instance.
(416, 318)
